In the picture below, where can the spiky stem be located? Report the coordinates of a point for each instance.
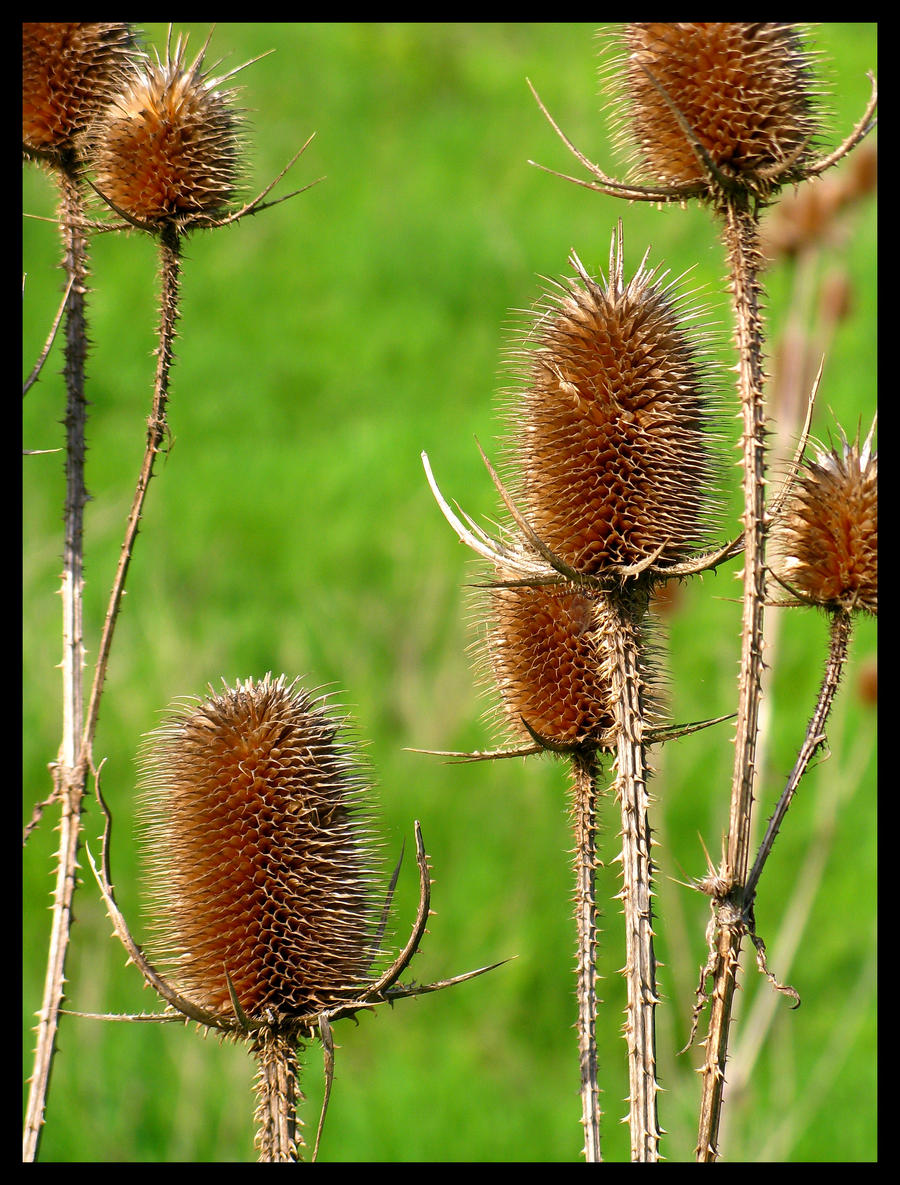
(841, 629)
(69, 770)
(279, 1137)
(585, 767)
(741, 238)
(624, 615)
(157, 427)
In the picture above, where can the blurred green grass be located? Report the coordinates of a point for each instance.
(322, 346)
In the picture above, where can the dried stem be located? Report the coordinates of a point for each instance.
(279, 1137)
(621, 635)
(585, 767)
(841, 629)
(69, 770)
(157, 427)
(741, 238)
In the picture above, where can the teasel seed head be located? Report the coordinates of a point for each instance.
(260, 863)
(70, 71)
(168, 148)
(825, 544)
(745, 91)
(542, 647)
(612, 435)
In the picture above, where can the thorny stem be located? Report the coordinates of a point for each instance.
(279, 1137)
(621, 634)
(585, 767)
(841, 628)
(69, 770)
(741, 238)
(157, 427)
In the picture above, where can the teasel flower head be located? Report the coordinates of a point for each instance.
(723, 105)
(70, 71)
(825, 543)
(168, 148)
(260, 862)
(546, 653)
(613, 431)
(543, 656)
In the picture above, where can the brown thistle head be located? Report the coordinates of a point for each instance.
(168, 148)
(825, 543)
(260, 864)
(721, 105)
(542, 646)
(70, 71)
(612, 433)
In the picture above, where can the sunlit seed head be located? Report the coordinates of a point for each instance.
(258, 852)
(543, 653)
(745, 91)
(70, 71)
(168, 148)
(825, 544)
(612, 432)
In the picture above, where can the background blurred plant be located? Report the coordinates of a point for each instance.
(328, 414)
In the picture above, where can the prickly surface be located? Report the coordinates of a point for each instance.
(544, 649)
(257, 854)
(612, 432)
(744, 89)
(70, 71)
(826, 544)
(169, 146)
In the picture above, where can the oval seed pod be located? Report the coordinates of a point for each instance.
(825, 544)
(70, 71)
(169, 146)
(612, 434)
(258, 855)
(542, 644)
(743, 90)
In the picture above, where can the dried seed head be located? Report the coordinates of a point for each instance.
(744, 90)
(168, 148)
(258, 856)
(70, 71)
(612, 434)
(542, 645)
(825, 545)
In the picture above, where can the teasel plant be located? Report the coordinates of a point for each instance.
(728, 114)
(69, 72)
(165, 140)
(614, 492)
(262, 868)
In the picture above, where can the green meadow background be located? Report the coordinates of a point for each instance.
(322, 346)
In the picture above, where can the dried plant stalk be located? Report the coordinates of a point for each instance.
(68, 71)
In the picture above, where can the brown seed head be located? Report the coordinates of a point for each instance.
(744, 89)
(543, 648)
(70, 71)
(169, 146)
(612, 434)
(258, 857)
(826, 543)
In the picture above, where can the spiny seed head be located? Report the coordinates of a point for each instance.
(612, 433)
(825, 545)
(168, 148)
(744, 89)
(542, 648)
(258, 854)
(70, 71)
